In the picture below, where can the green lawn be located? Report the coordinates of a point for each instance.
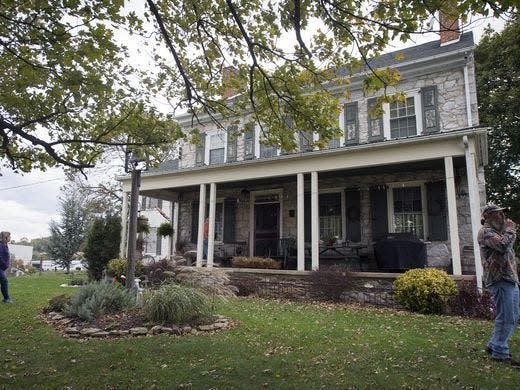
(276, 345)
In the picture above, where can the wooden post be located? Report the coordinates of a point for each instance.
(452, 216)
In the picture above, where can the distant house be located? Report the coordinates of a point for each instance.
(415, 173)
(21, 252)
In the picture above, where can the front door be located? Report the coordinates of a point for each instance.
(267, 229)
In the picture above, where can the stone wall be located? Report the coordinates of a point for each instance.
(366, 288)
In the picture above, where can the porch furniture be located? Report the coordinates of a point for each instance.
(400, 253)
(226, 251)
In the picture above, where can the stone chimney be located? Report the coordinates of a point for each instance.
(449, 27)
(229, 73)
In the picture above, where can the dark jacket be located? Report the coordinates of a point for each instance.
(4, 256)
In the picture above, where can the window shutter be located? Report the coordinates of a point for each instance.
(249, 142)
(307, 219)
(194, 221)
(429, 109)
(437, 211)
(158, 245)
(200, 151)
(379, 213)
(159, 203)
(375, 125)
(351, 124)
(230, 205)
(143, 203)
(232, 143)
(353, 211)
(306, 139)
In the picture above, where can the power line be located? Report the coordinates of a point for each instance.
(30, 184)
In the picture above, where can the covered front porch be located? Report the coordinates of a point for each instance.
(310, 210)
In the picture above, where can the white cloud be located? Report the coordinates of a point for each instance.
(23, 221)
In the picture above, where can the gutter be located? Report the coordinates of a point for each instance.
(477, 130)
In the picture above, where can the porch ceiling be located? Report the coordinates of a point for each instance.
(425, 152)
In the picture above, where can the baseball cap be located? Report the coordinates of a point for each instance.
(491, 208)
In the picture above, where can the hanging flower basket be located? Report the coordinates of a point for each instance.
(165, 229)
(142, 225)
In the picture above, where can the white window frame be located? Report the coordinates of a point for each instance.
(416, 94)
(208, 144)
(390, 204)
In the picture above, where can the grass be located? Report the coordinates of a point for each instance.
(276, 345)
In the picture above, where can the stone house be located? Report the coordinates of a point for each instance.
(418, 170)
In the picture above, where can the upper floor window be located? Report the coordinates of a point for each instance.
(267, 150)
(351, 125)
(249, 141)
(232, 133)
(403, 121)
(217, 147)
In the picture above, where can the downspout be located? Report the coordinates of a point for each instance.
(474, 203)
(468, 96)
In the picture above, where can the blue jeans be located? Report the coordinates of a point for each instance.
(4, 284)
(507, 301)
(205, 249)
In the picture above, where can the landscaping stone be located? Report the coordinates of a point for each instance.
(139, 331)
(220, 325)
(89, 331)
(206, 328)
(156, 329)
(115, 333)
(57, 316)
(176, 330)
(186, 329)
(194, 331)
(100, 334)
(65, 321)
(165, 329)
(72, 330)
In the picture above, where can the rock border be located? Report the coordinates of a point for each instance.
(68, 327)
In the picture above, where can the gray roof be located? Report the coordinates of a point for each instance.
(429, 49)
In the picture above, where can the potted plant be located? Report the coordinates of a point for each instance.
(142, 225)
(165, 229)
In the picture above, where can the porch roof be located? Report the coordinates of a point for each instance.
(413, 149)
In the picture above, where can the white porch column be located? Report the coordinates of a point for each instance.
(452, 216)
(175, 224)
(474, 203)
(315, 221)
(300, 220)
(124, 226)
(211, 230)
(200, 235)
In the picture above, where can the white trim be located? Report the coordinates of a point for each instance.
(315, 222)
(253, 195)
(467, 96)
(416, 94)
(211, 227)
(452, 216)
(300, 221)
(390, 203)
(207, 144)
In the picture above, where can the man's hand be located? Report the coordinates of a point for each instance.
(510, 225)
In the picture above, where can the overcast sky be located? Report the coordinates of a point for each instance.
(27, 209)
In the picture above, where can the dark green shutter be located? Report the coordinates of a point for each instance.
(430, 114)
(351, 118)
(307, 219)
(159, 203)
(353, 211)
(200, 151)
(194, 221)
(379, 213)
(249, 142)
(437, 211)
(158, 245)
(230, 205)
(232, 143)
(143, 203)
(375, 125)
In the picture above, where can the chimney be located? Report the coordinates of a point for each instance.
(449, 26)
(229, 75)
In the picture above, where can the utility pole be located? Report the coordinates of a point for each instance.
(132, 227)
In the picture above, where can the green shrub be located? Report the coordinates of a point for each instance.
(255, 262)
(177, 304)
(118, 267)
(58, 303)
(424, 290)
(97, 298)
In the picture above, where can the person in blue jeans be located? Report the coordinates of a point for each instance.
(500, 277)
(5, 237)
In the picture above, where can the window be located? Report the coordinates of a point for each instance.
(330, 216)
(199, 151)
(403, 122)
(351, 123)
(219, 222)
(306, 139)
(216, 148)
(407, 210)
(429, 105)
(267, 150)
